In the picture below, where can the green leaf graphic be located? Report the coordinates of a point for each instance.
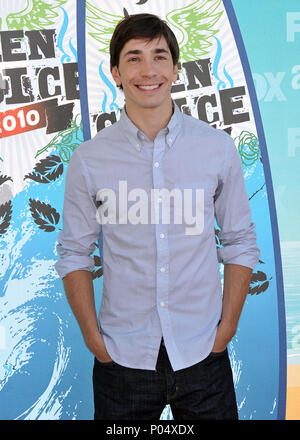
(196, 23)
(103, 23)
(37, 14)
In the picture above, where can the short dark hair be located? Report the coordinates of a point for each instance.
(147, 26)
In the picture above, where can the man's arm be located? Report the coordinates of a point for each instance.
(76, 243)
(79, 289)
(236, 284)
(239, 252)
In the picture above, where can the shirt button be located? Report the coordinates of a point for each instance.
(162, 304)
(156, 164)
(162, 235)
(162, 269)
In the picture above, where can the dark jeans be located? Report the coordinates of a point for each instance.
(200, 392)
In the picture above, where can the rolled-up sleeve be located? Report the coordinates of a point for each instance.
(76, 241)
(233, 215)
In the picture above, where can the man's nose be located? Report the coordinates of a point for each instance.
(148, 68)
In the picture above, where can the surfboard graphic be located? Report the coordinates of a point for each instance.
(214, 85)
(40, 123)
(55, 92)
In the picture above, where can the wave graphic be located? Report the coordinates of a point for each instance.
(41, 355)
(111, 88)
(221, 84)
(60, 40)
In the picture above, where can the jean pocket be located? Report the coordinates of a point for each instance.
(217, 353)
(104, 364)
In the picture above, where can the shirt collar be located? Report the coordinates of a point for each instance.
(133, 133)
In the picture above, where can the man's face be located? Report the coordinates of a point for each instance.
(146, 73)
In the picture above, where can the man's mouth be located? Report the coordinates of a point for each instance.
(149, 87)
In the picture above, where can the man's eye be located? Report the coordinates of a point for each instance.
(160, 57)
(133, 59)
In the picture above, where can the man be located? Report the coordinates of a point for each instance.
(163, 325)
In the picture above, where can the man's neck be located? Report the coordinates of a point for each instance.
(150, 120)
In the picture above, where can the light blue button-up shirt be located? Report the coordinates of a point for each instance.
(158, 248)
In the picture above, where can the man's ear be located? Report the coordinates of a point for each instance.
(175, 72)
(116, 75)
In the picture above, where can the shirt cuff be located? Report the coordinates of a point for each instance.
(72, 263)
(236, 255)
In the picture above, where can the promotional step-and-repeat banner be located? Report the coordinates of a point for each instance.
(56, 91)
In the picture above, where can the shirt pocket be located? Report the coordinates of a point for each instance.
(194, 206)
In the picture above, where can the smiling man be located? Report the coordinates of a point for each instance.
(164, 322)
(145, 70)
(146, 73)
